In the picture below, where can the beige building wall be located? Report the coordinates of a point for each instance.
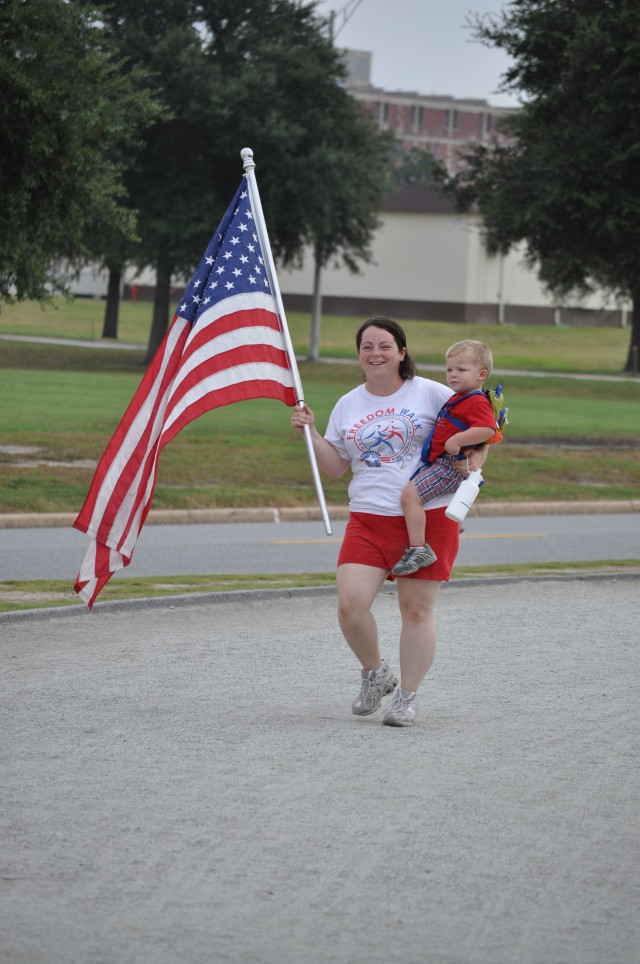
(414, 259)
(435, 266)
(425, 265)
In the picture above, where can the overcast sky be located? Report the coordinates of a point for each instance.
(423, 45)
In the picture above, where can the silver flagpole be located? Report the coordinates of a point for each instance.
(249, 165)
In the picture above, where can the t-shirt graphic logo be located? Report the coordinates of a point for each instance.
(385, 439)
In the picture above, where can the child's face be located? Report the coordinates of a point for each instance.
(464, 375)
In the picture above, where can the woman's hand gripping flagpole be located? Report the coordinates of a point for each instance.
(249, 166)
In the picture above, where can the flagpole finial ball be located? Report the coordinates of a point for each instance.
(247, 157)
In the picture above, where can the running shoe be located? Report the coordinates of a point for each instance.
(402, 711)
(414, 558)
(373, 687)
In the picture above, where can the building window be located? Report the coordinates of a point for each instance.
(485, 122)
(381, 113)
(416, 117)
(450, 121)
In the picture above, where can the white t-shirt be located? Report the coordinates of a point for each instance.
(382, 436)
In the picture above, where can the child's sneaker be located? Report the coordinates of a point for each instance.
(374, 686)
(414, 558)
(402, 711)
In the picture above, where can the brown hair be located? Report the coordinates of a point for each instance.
(407, 367)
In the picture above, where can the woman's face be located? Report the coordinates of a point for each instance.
(379, 354)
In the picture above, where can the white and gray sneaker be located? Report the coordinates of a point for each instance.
(374, 686)
(402, 711)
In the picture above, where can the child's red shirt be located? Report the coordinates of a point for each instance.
(475, 410)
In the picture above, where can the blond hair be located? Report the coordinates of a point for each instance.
(475, 351)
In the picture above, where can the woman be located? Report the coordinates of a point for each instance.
(377, 430)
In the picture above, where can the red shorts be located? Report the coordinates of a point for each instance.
(380, 540)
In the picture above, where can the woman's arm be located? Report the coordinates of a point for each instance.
(328, 458)
(475, 459)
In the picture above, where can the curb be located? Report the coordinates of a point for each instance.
(50, 520)
(213, 598)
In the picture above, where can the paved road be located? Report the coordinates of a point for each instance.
(186, 785)
(56, 553)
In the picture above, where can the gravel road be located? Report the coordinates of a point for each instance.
(185, 784)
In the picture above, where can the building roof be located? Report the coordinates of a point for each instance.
(418, 199)
(363, 91)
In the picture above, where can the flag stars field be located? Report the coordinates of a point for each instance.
(234, 250)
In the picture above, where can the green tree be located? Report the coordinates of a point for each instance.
(340, 167)
(567, 185)
(113, 250)
(64, 106)
(260, 74)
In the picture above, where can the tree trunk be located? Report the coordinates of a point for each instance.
(316, 313)
(112, 306)
(160, 317)
(633, 358)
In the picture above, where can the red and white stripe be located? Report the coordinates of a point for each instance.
(236, 351)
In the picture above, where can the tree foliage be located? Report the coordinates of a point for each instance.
(121, 126)
(261, 74)
(65, 104)
(567, 184)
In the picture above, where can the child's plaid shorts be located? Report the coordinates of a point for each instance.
(437, 478)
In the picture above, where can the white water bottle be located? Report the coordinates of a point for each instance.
(464, 496)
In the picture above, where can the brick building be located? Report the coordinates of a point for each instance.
(438, 123)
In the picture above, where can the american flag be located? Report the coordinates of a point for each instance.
(225, 344)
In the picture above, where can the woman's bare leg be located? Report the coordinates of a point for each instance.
(357, 588)
(417, 598)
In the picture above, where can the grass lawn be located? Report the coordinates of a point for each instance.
(532, 347)
(56, 425)
(567, 438)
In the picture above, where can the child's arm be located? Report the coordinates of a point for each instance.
(471, 436)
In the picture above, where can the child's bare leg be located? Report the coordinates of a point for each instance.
(418, 553)
(413, 514)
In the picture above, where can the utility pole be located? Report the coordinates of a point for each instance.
(346, 14)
